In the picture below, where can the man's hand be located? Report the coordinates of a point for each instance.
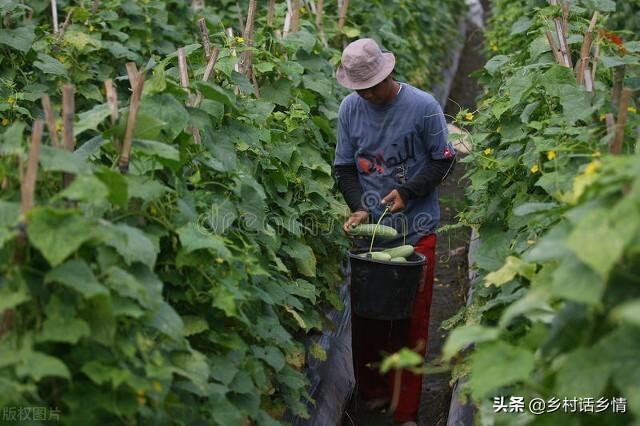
(355, 219)
(394, 201)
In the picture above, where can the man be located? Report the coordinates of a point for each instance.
(392, 152)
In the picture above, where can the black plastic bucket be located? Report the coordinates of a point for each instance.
(384, 290)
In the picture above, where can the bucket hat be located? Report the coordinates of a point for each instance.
(364, 65)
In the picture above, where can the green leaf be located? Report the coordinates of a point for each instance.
(77, 275)
(58, 233)
(582, 374)
(145, 188)
(50, 65)
(101, 373)
(13, 292)
(403, 359)
(521, 25)
(20, 38)
(80, 40)
(166, 320)
(193, 237)
(301, 40)
(303, 256)
(89, 120)
(513, 266)
(593, 236)
(463, 336)
(166, 108)
(54, 159)
(271, 355)
(194, 325)
(532, 207)
(9, 212)
(216, 93)
(126, 285)
(616, 61)
(158, 149)
(494, 64)
(12, 139)
(60, 329)
(628, 313)
(573, 280)
(116, 184)
(38, 365)
(131, 243)
(85, 188)
(600, 5)
(498, 364)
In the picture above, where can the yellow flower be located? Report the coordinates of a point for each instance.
(91, 28)
(596, 154)
(61, 58)
(488, 151)
(494, 47)
(468, 116)
(58, 126)
(535, 169)
(219, 260)
(239, 40)
(551, 155)
(531, 242)
(592, 168)
(157, 386)
(498, 129)
(303, 10)
(603, 117)
(11, 100)
(5, 121)
(632, 110)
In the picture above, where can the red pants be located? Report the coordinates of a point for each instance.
(372, 338)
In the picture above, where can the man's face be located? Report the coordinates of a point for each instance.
(378, 94)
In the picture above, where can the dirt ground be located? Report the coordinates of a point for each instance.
(451, 282)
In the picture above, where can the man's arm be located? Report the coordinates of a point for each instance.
(428, 180)
(350, 187)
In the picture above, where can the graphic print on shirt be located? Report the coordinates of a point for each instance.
(394, 161)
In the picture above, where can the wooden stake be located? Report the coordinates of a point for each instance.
(616, 148)
(588, 82)
(295, 16)
(28, 183)
(94, 7)
(270, 13)
(343, 14)
(50, 118)
(320, 22)
(112, 100)
(184, 82)
(68, 115)
(610, 120)
(618, 83)
(204, 36)
(586, 49)
(246, 57)
(134, 106)
(596, 58)
(240, 19)
(65, 24)
(54, 15)
(208, 71)
(557, 54)
(197, 4)
(132, 72)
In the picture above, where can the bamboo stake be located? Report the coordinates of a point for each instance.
(610, 120)
(557, 54)
(287, 20)
(270, 13)
(204, 36)
(588, 82)
(50, 118)
(208, 71)
(134, 106)
(236, 67)
(28, 183)
(197, 4)
(184, 82)
(618, 83)
(68, 114)
(295, 16)
(94, 7)
(596, 58)
(586, 49)
(246, 57)
(132, 72)
(320, 22)
(54, 15)
(343, 14)
(616, 148)
(65, 24)
(112, 100)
